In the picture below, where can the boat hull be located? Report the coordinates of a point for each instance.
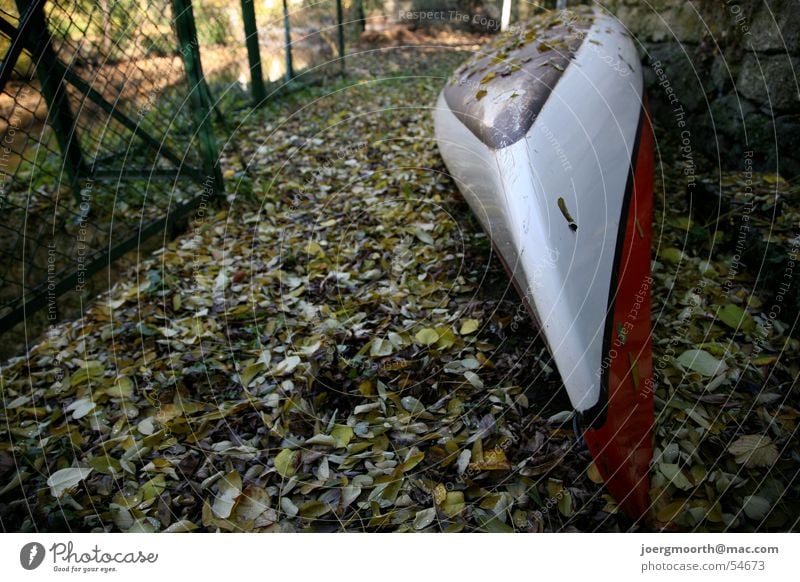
(567, 204)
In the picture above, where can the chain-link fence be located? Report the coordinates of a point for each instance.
(109, 129)
(105, 127)
(278, 43)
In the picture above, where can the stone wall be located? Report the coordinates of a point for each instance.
(733, 64)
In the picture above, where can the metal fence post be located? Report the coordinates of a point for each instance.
(340, 31)
(199, 95)
(59, 112)
(360, 17)
(288, 36)
(253, 52)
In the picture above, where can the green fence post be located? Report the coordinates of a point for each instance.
(253, 52)
(59, 112)
(287, 31)
(340, 30)
(362, 19)
(199, 95)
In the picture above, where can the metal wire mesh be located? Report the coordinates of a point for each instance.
(105, 121)
(312, 52)
(98, 138)
(314, 40)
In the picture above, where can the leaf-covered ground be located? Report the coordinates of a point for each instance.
(337, 349)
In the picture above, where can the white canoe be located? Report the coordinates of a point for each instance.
(547, 137)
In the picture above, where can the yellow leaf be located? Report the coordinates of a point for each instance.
(446, 339)
(424, 518)
(439, 494)
(250, 372)
(342, 435)
(314, 508)
(427, 336)
(154, 487)
(736, 318)
(469, 326)
(594, 474)
(554, 487)
(634, 369)
(413, 460)
(565, 503)
(122, 388)
(453, 503)
(314, 248)
(182, 526)
(477, 451)
(671, 511)
(671, 255)
(493, 460)
(366, 388)
(169, 412)
(380, 348)
(253, 502)
(702, 362)
(286, 462)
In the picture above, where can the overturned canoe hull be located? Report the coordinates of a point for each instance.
(558, 168)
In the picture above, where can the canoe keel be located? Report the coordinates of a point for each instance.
(621, 443)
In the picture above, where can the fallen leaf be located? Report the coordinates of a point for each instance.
(469, 326)
(81, 408)
(756, 507)
(286, 366)
(342, 435)
(736, 318)
(594, 474)
(380, 348)
(754, 451)
(453, 504)
(493, 460)
(671, 511)
(286, 462)
(424, 518)
(65, 479)
(427, 336)
(229, 488)
(412, 405)
(702, 362)
(439, 494)
(671, 255)
(675, 476)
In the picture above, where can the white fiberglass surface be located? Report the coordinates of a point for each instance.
(578, 150)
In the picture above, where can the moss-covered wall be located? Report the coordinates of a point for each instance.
(733, 64)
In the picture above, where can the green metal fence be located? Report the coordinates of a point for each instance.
(106, 139)
(110, 131)
(281, 42)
